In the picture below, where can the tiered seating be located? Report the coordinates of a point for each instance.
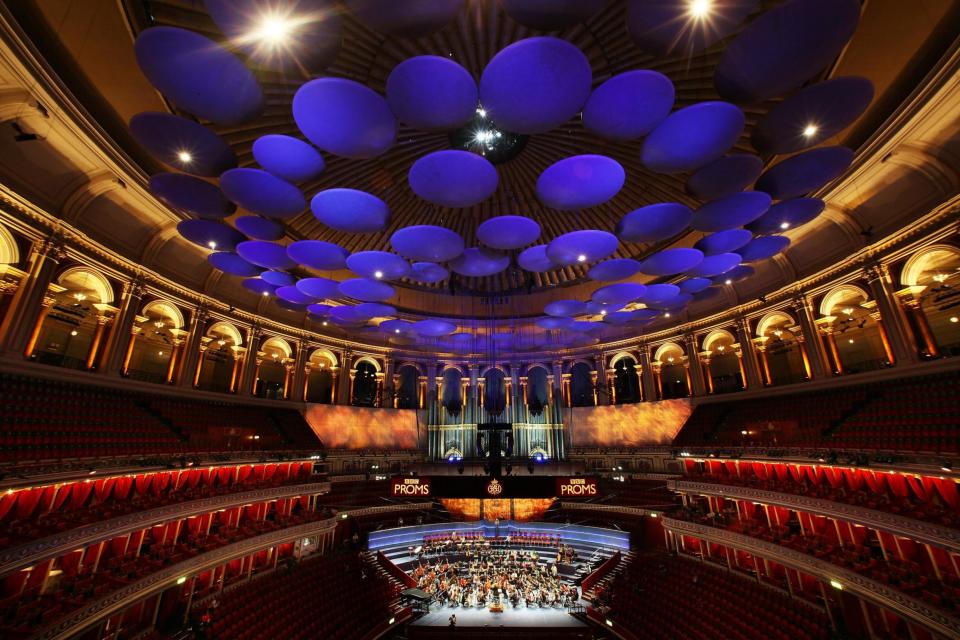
(670, 598)
(17, 528)
(51, 420)
(910, 577)
(918, 414)
(335, 596)
(913, 415)
(934, 511)
(24, 610)
(638, 493)
(40, 419)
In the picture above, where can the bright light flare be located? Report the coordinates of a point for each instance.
(700, 9)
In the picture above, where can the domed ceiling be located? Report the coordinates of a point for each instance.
(643, 153)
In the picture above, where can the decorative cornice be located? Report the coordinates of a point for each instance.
(918, 530)
(883, 595)
(116, 601)
(35, 551)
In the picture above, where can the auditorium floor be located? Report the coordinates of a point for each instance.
(511, 618)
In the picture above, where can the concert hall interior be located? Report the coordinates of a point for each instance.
(534, 319)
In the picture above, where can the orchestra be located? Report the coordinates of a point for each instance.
(467, 570)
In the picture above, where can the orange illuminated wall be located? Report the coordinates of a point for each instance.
(627, 425)
(523, 509)
(343, 427)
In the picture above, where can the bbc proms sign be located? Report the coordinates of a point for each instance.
(403, 487)
(513, 486)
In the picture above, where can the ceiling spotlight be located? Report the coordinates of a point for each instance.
(666, 314)
(212, 245)
(850, 340)
(273, 29)
(481, 112)
(324, 323)
(728, 281)
(940, 277)
(266, 293)
(184, 156)
(74, 332)
(378, 274)
(159, 353)
(603, 312)
(582, 258)
(784, 225)
(396, 330)
(848, 311)
(810, 130)
(699, 9)
(954, 319)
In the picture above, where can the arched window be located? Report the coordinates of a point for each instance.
(581, 385)
(626, 383)
(365, 385)
(494, 392)
(407, 387)
(537, 393)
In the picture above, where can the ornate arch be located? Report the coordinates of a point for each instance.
(840, 293)
(498, 367)
(9, 251)
(166, 309)
(573, 363)
(278, 343)
(371, 361)
(620, 356)
(715, 336)
(93, 280)
(410, 363)
(222, 327)
(772, 319)
(459, 368)
(538, 365)
(920, 262)
(667, 348)
(326, 354)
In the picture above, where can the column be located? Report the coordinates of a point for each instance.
(381, 377)
(743, 373)
(762, 350)
(290, 368)
(120, 336)
(188, 358)
(256, 361)
(802, 345)
(345, 388)
(45, 306)
(927, 338)
(647, 377)
(884, 337)
(422, 392)
(612, 385)
(686, 372)
(565, 389)
(694, 370)
(659, 381)
(815, 352)
(334, 380)
(395, 390)
(834, 352)
(102, 322)
(638, 371)
(306, 382)
(299, 372)
(894, 318)
(174, 353)
(198, 367)
(707, 374)
(558, 380)
(248, 375)
(131, 343)
(749, 359)
(27, 301)
(600, 367)
(593, 383)
(389, 384)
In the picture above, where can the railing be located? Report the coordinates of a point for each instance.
(601, 571)
(30, 553)
(886, 597)
(925, 532)
(395, 571)
(609, 508)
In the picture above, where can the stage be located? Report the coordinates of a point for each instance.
(512, 618)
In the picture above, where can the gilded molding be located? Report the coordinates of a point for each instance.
(883, 595)
(918, 530)
(35, 551)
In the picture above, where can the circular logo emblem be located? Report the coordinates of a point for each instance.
(494, 488)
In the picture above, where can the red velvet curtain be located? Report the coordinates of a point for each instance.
(27, 500)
